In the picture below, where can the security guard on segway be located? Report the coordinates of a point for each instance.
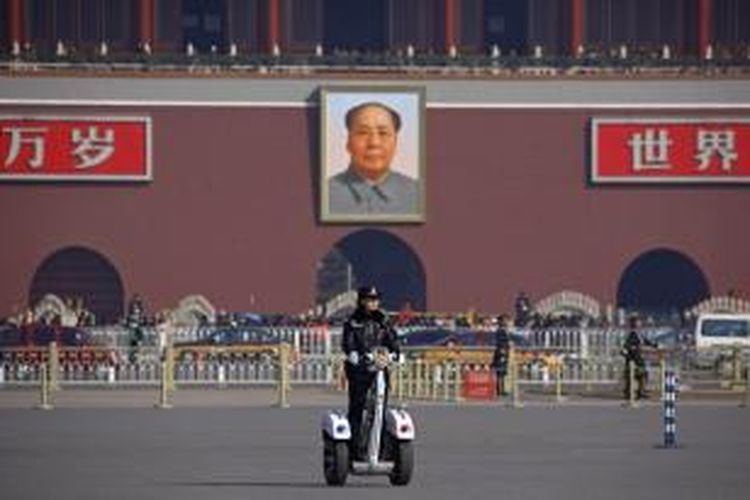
(367, 328)
(632, 350)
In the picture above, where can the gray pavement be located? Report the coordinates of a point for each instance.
(235, 445)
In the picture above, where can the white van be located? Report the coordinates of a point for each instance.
(722, 330)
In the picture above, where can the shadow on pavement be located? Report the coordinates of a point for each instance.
(271, 484)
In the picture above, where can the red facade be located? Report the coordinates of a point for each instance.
(231, 211)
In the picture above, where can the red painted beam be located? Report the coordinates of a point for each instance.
(450, 24)
(577, 26)
(15, 21)
(273, 24)
(146, 26)
(705, 20)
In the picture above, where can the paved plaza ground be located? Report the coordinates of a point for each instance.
(235, 444)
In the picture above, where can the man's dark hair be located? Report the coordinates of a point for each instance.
(352, 113)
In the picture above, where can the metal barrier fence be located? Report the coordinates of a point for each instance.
(257, 365)
(417, 377)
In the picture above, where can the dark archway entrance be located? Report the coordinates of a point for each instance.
(661, 282)
(372, 256)
(359, 25)
(78, 272)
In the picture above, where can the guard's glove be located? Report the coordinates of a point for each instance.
(353, 358)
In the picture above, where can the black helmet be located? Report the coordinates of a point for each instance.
(367, 292)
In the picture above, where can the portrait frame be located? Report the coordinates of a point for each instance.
(409, 159)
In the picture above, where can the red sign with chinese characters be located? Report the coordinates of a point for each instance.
(75, 148)
(670, 150)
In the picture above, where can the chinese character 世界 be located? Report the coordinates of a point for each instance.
(716, 143)
(650, 150)
(21, 136)
(92, 149)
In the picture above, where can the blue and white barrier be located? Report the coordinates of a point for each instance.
(670, 410)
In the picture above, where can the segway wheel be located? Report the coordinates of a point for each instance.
(403, 463)
(335, 461)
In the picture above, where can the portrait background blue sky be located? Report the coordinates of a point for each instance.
(406, 160)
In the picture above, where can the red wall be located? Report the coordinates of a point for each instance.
(231, 213)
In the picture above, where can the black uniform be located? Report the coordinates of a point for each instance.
(363, 332)
(632, 351)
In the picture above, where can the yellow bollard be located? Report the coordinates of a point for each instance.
(53, 360)
(515, 388)
(408, 367)
(558, 381)
(45, 402)
(170, 359)
(631, 378)
(445, 381)
(400, 381)
(283, 382)
(418, 389)
(737, 368)
(433, 383)
(163, 403)
(457, 382)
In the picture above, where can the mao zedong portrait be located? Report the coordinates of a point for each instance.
(369, 185)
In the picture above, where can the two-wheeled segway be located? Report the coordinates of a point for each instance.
(387, 434)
